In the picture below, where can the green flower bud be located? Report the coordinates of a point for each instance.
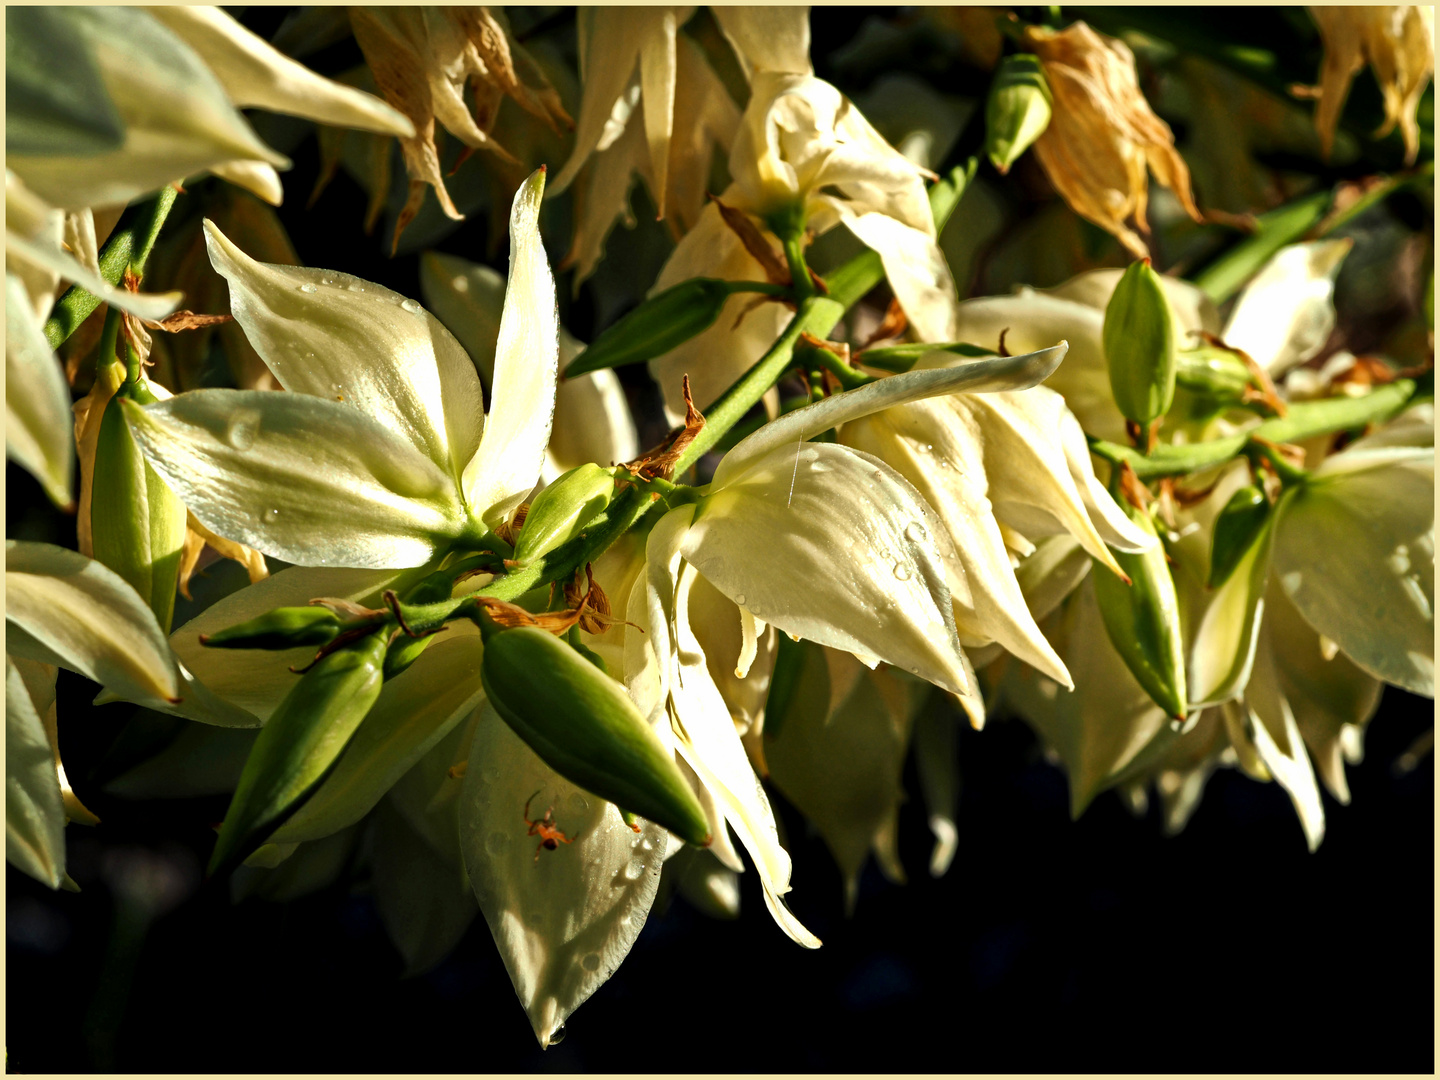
(587, 729)
(564, 508)
(299, 745)
(283, 628)
(1143, 619)
(1018, 110)
(658, 325)
(1139, 339)
(137, 524)
(1208, 381)
(1237, 528)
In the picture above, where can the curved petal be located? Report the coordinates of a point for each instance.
(768, 38)
(977, 376)
(1286, 313)
(1280, 747)
(337, 337)
(257, 177)
(522, 398)
(306, 480)
(563, 920)
(34, 809)
(1355, 553)
(469, 299)
(916, 270)
(849, 557)
(1110, 521)
(67, 268)
(254, 73)
(38, 425)
(1222, 652)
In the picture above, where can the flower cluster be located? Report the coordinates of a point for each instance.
(541, 668)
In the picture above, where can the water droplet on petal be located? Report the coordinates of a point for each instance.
(243, 426)
(272, 515)
(591, 962)
(902, 572)
(307, 288)
(578, 803)
(740, 599)
(411, 306)
(327, 281)
(557, 1035)
(915, 532)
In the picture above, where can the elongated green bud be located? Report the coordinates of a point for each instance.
(659, 324)
(564, 508)
(299, 745)
(283, 628)
(1017, 111)
(587, 729)
(1239, 525)
(137, 524)
(901, 358)
(1208, 381)
(1139, 339)
(1143, 619)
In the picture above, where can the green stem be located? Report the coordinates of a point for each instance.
(1223, 278)
(758, 287)
(848, 376)
(817, 315)
(794, 244)
(129, 245)
(1305, 420)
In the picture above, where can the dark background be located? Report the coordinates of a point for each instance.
(1097, 945)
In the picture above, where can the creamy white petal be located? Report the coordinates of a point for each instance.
(38, 426)
(657, 91)
(1286, 313)
(564, 921)
(768, 38)
(329, 335)
(254, 73)
(522, 398)
(34, 810)
(1222, 651)
(307, 480)
(177, 118)
(706, 739)
(39, 253)
(849, 557)
(413, 713)
(469, 299)
(987, 599)
(917, 272)
(1355, 552)
(978, 376)
(1193, 310)
(1109, 520)
(592, 423)
(257, 177)
(258, 679)
(1278, 742)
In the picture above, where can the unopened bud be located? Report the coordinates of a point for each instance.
(405, 650)
(283, 628)
(1208, 381)
(564, 508)
(299, 745)
(1238, 527)
(1139, 339)
(137, 524)
(586, 728)
(1018, 109)
(1143, 618)
(661, 323)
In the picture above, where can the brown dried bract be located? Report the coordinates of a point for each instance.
(661, 463)
(1103, 134)
(891, 326)
(509, 531)
(589, 610)
(1135, 492)
(185, 320)
(1264, 390)
(777, 272)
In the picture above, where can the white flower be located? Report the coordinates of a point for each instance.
(376, 458)
(803, 147)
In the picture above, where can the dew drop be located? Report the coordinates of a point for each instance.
(902, 572)
(740, 599)
(810, 455)
(497, 842)
(556, 1036)
(243, 426)
(492, 774)
(327, 281)
(915, 532)
(591, 962)
(411, 306)
(634, 871)
(307, 288)
(272, 515)
(577, 803)
(647, 844)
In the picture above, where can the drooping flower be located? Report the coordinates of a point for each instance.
(1102, 134)
(804, 149)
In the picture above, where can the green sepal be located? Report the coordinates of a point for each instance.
(1143, 618)
(1238, 527)
(586, 728)
(137, 524)
(282, 628)
(405, 650)
(564, 508)
(662, 322)
(1139, 339)
(901, 358)
(1017, 111)
(299, 745)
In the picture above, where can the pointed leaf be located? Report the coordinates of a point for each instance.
(38, 426)
(34, 811)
